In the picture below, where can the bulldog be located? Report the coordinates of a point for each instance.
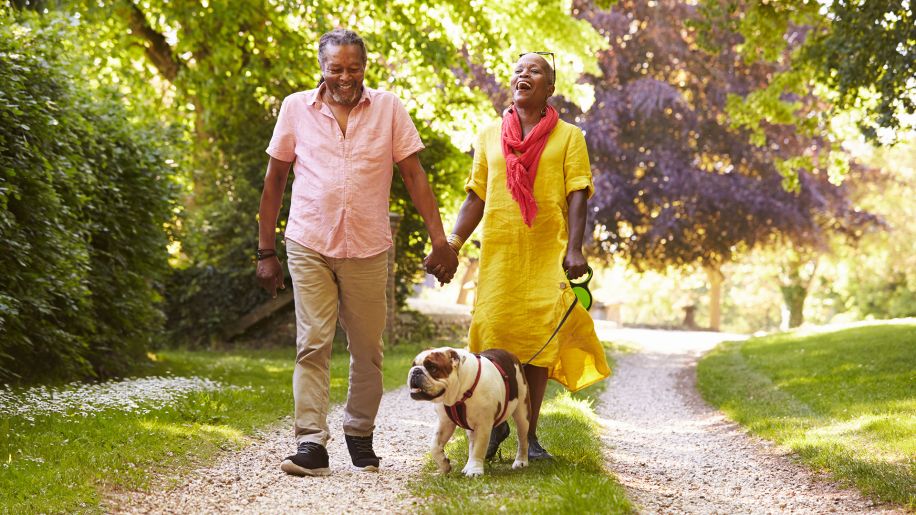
(476, 392)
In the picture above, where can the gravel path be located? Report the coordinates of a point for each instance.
(250, 481)
(671, 451)
(676, 454)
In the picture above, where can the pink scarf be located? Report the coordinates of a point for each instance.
(521, 169)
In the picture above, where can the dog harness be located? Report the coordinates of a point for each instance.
(457, 412)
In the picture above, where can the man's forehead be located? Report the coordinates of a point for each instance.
(344, 53)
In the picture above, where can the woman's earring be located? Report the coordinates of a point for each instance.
(544, 111)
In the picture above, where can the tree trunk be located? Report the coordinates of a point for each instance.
(715, 297)
(798, 273)
(794, 297)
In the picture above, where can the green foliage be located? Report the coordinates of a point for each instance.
(84, 194)
(859, 53)
(878, 279)
(841, 399)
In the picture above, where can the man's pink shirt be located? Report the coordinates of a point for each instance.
(342, 184)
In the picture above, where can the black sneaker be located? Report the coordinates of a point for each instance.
(311, 459)
(535, 451)
(500, 433)
(361, 453)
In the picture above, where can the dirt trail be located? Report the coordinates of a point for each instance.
(676, 454)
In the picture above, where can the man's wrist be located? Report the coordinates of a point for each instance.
(265, 253)
(438, 241)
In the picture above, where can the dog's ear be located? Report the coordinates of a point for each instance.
(456, 358)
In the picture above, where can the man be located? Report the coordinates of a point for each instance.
(343, 138)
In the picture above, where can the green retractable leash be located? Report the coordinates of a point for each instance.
(580, 288)
(583, 296)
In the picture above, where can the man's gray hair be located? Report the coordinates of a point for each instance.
(339, 37)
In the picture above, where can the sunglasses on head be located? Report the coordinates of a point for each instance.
(553, 62)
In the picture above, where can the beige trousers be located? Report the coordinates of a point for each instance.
(324, 289)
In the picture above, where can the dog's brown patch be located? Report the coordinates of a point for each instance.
(439, 364)
(509, 363)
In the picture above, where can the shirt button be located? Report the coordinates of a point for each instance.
(562, 286)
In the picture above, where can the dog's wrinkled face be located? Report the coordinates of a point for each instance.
(430, 375)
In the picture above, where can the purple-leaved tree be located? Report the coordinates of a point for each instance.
(676, 185)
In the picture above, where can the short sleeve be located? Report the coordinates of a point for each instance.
(405, 138)
(283, 142)
(576, 168)
(477, 181)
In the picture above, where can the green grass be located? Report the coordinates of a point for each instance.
(844, 401)
(58, 463)
(576, 481)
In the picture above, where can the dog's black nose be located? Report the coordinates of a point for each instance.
(416, 378)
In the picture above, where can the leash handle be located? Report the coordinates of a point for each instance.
(555, 331)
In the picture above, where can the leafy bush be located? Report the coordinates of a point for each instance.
(84, 196)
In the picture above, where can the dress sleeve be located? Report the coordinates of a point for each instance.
(576, 168)
(283, 143)
(477, 181)
(406, 139)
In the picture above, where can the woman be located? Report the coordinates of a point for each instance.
(529, 184)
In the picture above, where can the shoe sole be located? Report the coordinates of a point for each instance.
(370, 468)
(295, 470)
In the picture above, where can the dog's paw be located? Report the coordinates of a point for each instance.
(445, 467)
(517, 464)
(473, 471)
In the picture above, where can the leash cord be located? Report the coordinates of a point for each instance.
(555, 331)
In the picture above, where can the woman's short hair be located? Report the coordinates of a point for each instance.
(339, 37)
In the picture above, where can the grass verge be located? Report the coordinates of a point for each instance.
(844, 400)
(53, 463)
(576, 481)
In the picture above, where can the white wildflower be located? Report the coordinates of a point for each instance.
(75, 399)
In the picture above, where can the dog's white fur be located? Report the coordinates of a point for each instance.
(481, 408)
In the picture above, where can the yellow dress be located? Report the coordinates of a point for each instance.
(522, 291)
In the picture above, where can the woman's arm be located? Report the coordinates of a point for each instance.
(574, 263)
(469, 216)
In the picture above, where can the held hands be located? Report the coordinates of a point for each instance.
(270, 275)
(575, 264)
(442, 262)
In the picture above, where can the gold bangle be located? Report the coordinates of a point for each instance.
(455, 242)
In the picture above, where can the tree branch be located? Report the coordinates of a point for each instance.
(157, 48)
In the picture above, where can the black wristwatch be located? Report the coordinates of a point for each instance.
(265, 253)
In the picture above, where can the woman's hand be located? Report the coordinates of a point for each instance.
(575, 264)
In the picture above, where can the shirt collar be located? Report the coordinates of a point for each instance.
(314, 96)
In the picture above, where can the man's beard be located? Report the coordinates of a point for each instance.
(346, 97)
